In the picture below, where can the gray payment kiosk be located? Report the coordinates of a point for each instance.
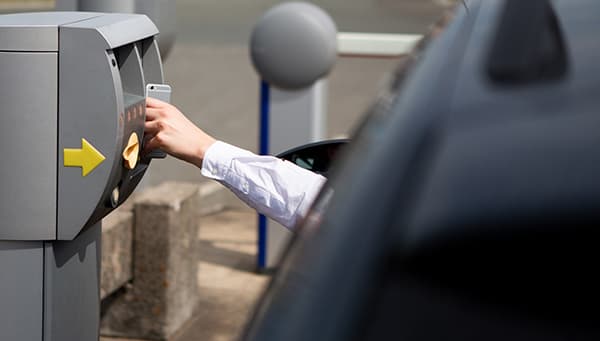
(72, 111)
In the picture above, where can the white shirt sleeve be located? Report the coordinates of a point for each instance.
(276, 188)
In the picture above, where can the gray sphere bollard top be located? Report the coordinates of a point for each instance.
(293, 45)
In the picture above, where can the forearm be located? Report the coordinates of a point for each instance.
(276, 188)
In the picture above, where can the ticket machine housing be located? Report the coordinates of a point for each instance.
(72, 88)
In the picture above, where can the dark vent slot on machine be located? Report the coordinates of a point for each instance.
(130, 69)
(151, 61)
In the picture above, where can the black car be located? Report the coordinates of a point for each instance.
(467, 205)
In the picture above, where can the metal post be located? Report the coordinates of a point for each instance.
(288, 118)
(293, 47)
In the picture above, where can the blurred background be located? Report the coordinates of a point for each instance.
(214, 82)
(215, 85)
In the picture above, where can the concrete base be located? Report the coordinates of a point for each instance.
(163, 294)
(117, 251)
(226, 279)
(149, 265)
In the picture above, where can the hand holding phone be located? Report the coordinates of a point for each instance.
(161, 92)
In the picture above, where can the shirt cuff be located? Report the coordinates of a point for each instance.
(218, 157)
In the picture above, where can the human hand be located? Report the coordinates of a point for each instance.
(168, 129)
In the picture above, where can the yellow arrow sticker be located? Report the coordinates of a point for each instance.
(88, 157)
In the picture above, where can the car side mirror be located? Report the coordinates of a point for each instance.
(316, 156)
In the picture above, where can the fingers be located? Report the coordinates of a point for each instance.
(155, 108)
(153, 127)
(154, 132)
(155, 103)
(153, 114)
(152, 144)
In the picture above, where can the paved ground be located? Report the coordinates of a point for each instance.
(226, 276)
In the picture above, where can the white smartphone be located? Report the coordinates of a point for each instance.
(163, 93)
(159, 91)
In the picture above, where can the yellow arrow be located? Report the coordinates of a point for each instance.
(87, 157)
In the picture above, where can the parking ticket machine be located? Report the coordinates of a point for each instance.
(72, 111)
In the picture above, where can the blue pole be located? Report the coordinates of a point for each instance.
(263, 150)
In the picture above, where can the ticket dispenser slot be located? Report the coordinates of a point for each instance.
(131, 73)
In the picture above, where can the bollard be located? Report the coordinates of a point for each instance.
(293, 47)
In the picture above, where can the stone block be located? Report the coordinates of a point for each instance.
(163, 293)
(117, 251)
